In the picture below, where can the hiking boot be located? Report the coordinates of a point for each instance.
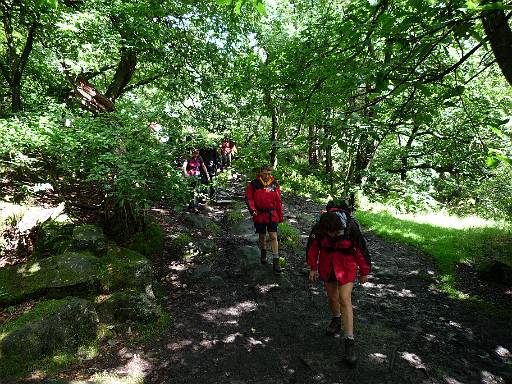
(263, 257)
(276, 266)
(350, 353)
(334, 327)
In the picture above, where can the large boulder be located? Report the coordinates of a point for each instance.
(64, 325)
(55, 276)
(124, 268)
(130, 305)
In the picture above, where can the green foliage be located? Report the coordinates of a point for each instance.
(213, 228)
(289, 236)
(52, 238)
(236, 213)
(148, 242)
(182, 245)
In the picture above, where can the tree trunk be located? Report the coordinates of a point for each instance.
(14, 66)
(312, 146)
(498, 32)
(123, 75)
(328, 150)
(274, 133)
(273, 138)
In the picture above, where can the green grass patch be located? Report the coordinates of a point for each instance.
(448, 245)
(149, 242)
(236, 213)
(449, 240)
(289, 236)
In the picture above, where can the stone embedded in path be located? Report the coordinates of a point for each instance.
(262, 276)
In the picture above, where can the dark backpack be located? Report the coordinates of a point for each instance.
(350, 226)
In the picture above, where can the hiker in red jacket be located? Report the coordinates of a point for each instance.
(227, 151)
(196, 172)
(336, 250)
(263, 198)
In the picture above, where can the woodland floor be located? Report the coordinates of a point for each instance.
(407, 331)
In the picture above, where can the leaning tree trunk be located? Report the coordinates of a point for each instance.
(124, 73)
(498, 32)
(14, 67)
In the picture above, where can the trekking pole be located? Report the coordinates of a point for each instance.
(352, 201)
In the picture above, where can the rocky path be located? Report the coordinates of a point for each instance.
(248, 326)
(237, 323)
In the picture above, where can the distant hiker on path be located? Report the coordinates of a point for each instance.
(263, 198)
(211, 160)
(227, 150)
(195, 169)
(336, 249)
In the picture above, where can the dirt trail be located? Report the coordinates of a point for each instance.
(240, 332)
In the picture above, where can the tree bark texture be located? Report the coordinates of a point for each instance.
(123, 75)
(499, 34)
(15, 64)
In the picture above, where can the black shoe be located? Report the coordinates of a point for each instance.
(263, 257)
(334, 327)
(276, 266)
(350, 353)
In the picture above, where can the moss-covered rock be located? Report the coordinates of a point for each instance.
(124, 268)
(54, 276)
(130, 305)
(199, 223)
(149, 242)
(90, 237)
(249, 259)
(50, 326)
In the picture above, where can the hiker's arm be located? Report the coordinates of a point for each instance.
(312, 255)
(363, 263)
(184, 167)
(249, 200)
(205, 170)
(279, 205)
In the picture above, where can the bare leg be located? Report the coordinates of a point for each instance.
(261, 241)
(345, 302)
(274, 245)
(331, 288)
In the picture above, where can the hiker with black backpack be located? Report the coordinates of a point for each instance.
(336, 250)
(263, 199)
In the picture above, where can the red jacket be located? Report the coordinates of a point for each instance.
(265, 200)
(343, 255)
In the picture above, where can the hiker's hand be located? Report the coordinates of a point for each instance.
(363, 279)
(313, 275)
(255, 213)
